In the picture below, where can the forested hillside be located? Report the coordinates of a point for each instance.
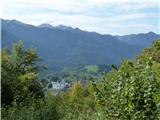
(63, 46)
(129, 92)
(141, 39)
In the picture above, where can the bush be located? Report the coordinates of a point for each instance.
(36, 109)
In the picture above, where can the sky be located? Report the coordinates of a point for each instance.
(102, 16)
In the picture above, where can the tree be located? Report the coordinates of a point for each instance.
(19, 74)
(133, 90)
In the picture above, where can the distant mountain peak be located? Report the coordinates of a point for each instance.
(14, 22)
(64, 27)
(151, 33)
(45, 25)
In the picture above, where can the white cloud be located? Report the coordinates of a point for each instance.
(59, 5)
(104, 2)
(86, 14)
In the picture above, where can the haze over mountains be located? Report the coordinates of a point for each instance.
(67, 46)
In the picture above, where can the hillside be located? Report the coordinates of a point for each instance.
(66, 46)
(142, 39)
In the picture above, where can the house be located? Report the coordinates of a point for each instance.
(58, 85)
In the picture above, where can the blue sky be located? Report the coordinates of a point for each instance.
(103, 16)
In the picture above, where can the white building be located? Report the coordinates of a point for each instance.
(58, 85)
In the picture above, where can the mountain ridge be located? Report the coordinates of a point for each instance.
(73, 46)
(61, 25)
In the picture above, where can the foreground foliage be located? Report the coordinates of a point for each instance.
(19, 74)
(130, 92)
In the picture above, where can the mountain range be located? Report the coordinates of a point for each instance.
(66, 46)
